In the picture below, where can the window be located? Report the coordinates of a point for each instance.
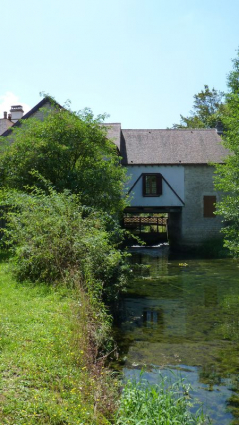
(152, 184)
(209, 206)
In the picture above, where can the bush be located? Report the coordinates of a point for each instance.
(54, 238)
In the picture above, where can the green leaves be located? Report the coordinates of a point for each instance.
(54, 238)
(207, 109)
(71, 151)
(227, 175)
(233, 77)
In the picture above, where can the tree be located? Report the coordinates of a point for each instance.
(227, 175)
(233, 77)
(207, 109)
(71, 151)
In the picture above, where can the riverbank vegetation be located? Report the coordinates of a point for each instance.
(163, 403)
(61, 200)
(50, 373)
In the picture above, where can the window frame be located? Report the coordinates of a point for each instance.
(158, 185)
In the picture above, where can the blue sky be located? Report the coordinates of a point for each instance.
(141, 61)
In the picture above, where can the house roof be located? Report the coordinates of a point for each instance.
(114, 132)
(182, 146)
(149, 147)
(39, 105)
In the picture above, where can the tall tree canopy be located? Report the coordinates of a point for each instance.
(233, 77)
(71, 151)
(227, 178)
(207, 109)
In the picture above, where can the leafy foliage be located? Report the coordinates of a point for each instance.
(227, 178)
(227, 175)
(207, 110)
(233, 77)
(55, 239)
(71, 151)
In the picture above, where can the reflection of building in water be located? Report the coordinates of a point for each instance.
(155, 265)
(163, 316)
(152, 318)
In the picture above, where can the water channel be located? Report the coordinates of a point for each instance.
(180, 317)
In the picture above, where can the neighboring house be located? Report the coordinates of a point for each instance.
(8, 120)
(5, 123)
(169, 171)
(36, 112)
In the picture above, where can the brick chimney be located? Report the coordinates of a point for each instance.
(5, 115)
(16, 113)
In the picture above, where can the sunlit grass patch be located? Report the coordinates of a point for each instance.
(43, 377)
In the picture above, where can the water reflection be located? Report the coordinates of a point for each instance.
(186, 312)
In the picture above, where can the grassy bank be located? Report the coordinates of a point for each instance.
(48, 369)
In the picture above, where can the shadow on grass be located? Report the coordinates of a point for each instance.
(5, 255)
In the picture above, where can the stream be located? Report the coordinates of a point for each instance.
(180, 318)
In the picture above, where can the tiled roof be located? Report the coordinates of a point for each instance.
(171, 147)
(114, 132)
(157, 146)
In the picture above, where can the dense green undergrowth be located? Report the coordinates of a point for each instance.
(55, 323)
(56, 329)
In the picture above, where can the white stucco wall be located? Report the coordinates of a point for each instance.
(174, 174)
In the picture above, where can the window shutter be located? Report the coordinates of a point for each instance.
(159, 184)
(144, 185)
(209, 206)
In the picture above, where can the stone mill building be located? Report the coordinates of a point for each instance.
(170, 172)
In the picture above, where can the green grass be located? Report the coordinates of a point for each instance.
(44, 376)
(158, 404)
(48, 372)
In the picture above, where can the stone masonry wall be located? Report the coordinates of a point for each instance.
(195, 228)
(4, 125)
(40, 114)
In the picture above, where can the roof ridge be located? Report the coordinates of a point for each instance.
(112, 123)
(29, 113)
(169, 129)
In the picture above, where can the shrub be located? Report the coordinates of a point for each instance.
(54, 238)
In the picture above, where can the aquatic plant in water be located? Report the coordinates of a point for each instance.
(164, 403)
